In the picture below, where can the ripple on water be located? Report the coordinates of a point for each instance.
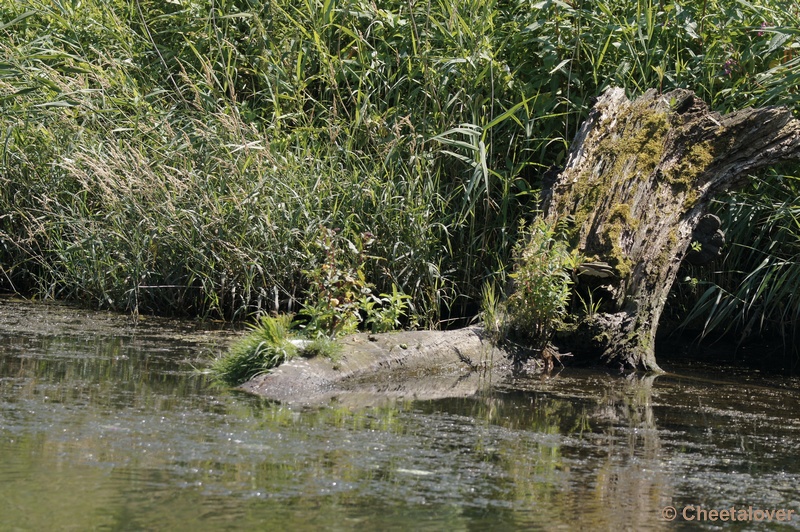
(112, 428)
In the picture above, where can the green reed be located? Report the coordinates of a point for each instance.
(751, 291)
(184, 157)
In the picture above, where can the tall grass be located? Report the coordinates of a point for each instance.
(184, 157)
(753, 290)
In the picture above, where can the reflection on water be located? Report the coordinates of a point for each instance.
(106, 426)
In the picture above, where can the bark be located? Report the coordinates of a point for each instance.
(635, 188)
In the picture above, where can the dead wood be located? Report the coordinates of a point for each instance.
(634, 193)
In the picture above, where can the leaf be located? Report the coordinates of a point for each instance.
(18, 19)
(777, 41)
(510, 113)
(559, 66)
(55, 104)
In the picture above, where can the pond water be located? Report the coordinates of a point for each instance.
(109, 426)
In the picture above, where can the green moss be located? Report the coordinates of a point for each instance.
(638, 148)
(683, 177)
(618, 223)
(642, 340)
(622, 212)
(587, 193)
(660, 261)
(629, 155)
(631, 152)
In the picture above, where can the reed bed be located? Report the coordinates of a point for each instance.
(186, 157)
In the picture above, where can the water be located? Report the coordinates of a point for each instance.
(107, 426)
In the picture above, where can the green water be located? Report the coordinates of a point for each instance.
(109, 426)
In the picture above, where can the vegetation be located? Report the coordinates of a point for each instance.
(337, 302)
(542, 281)
(339, 299)
(267, 345)
(753, 290)
(189, 157)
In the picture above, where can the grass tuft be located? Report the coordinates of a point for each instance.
(266, 346)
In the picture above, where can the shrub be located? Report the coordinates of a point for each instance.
(542, 283)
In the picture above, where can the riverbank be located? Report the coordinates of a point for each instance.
(191, 159)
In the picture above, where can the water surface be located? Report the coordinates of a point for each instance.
(110, 425)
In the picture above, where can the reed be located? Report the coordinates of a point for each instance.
(752, 290)
(184, 157)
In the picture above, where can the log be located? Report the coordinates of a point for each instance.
(634, 195)
(374, 368)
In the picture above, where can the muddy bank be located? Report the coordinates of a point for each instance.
(23, 318)
(372, 368)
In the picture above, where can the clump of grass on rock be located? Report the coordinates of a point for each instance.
(268, 345)
(339, 300)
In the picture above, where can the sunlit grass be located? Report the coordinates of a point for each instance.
(183, 157)
(267, 345)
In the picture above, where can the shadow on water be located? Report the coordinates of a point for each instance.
(107, 426)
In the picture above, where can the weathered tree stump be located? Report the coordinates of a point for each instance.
(637, 182)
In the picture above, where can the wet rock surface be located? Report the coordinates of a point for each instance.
(372, 368)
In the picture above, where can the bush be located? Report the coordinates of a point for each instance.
(542, 283)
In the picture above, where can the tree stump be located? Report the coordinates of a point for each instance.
(636, 185)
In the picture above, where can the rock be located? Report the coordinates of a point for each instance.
(374, 368)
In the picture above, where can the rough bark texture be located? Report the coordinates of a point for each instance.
(637, 182)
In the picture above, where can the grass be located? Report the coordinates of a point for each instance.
(266, 346)
(270, 342)
(185, 157)
(751, 291)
